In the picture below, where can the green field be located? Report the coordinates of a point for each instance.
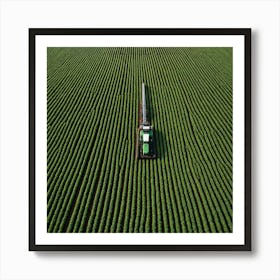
(96, 183)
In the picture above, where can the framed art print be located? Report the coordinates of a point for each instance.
(140, 139)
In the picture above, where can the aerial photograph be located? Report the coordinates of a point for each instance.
(139, 140)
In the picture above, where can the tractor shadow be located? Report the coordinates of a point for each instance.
(160, 139)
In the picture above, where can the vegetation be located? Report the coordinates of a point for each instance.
(95, 182)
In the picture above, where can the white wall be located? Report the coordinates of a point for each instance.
(17, 262)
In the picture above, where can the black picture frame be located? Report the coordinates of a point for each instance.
(246, 32)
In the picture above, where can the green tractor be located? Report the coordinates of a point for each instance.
(145, 135)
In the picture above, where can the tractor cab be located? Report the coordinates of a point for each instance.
(146, 138)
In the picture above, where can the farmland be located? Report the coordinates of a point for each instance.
(95, 183)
